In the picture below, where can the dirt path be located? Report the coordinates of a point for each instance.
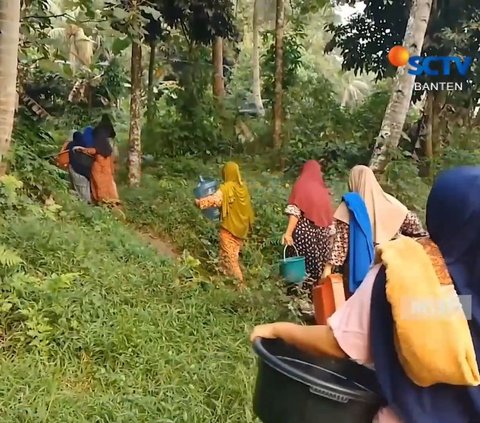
(163, 248)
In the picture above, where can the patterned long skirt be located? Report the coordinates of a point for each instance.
(230, 247)
(313, 243)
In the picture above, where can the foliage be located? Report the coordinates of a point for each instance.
(464, 152)
(151, 20)
(401, 178)
(96, 325)
(35, 23)
(187, 120)
(49, 89)
(293, 51)
(341, 138)
(464, 42)
(50, 84)
(366, 38)
(200, 21)
(197, 132)
(32, 156)
(113, 82)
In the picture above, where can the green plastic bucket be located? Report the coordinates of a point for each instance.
(292, 269)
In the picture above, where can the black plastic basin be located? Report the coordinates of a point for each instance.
(293, 387)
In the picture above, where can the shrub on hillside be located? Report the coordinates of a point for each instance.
(318, 128)
(32, 158)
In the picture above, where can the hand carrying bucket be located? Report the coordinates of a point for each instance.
(292, 269)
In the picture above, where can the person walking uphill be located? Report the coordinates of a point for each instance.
(388, 217)
(104, 188)
(310, 216)
(80, 167)
(237, 216)
(427, 362)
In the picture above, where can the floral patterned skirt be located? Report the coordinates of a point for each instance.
(313, 243)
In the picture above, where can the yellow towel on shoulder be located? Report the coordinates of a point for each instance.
(432, 337)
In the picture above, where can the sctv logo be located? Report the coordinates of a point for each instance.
(440, 66)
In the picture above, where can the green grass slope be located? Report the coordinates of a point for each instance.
(97, 327)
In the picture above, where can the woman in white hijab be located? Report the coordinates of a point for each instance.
(388, 216)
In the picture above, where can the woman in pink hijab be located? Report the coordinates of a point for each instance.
(310, 216)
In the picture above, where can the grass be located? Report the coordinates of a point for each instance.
(164, 205)
(97, 327)
(102, 329)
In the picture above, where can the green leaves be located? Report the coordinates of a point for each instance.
(154, 13)
(120, 44)
(121, 14)
(9, 258)
(48, 65)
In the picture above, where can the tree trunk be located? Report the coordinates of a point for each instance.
(217, 59)
(257, 86)
(399, 103)
(440, 98)
(135, 144)
(9, 39)
(426, 166)
(277, 106)
(151, 77)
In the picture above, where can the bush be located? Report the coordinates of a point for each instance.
(202, 131)
(32, 159)
(318, 128)
(96, 326)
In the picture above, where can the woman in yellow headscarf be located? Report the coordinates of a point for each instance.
(237, 216)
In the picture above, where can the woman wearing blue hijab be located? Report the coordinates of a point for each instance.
(88, 137)
(363, 328)
(453, 221)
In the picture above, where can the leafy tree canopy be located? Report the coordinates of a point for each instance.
(367, 37)
(200, 21)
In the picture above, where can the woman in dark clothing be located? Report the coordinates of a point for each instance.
(107, 126)
(104, 189)
(80, 167)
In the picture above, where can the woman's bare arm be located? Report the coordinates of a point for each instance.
(214, 200)
(292, 223)
(316, 340)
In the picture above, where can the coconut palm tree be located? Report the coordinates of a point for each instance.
(351, 89)
(354, 90)
(10, 34)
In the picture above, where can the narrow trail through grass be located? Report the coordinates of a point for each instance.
(164, 248)
(100, 324)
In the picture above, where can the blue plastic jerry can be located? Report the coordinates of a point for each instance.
(205, 188)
